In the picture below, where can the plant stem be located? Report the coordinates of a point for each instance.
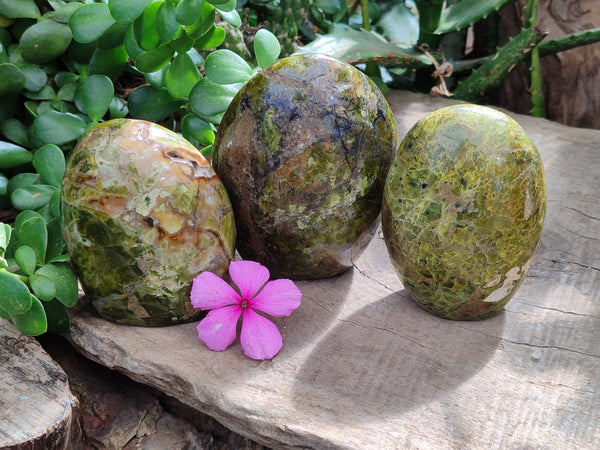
(562, 43)
(492, 73)
(430, 12)
(364, 11)
(538, 103)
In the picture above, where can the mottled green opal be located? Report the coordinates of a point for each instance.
(143, 213)
(463, 210)
(303, 151)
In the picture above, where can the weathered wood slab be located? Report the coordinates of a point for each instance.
(37, 409)
(364, 367)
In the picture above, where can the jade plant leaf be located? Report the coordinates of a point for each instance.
(153, 60)
(49, 161)
(25, 259)
(144, 27)
(3, 189)
(197, 128)
(16, 131)
(42, 286)
(97, 94)
(166, 22)
(30, 227)
(181, 76)
(44, 41)
(211, 39)
(22, 9)
(53, 127)
(11, 79)
(226, 67)
(90, 21)
(33, 196)
(209, 98)
(266, 48)
(109, 62)
(205, 21)
(16, 298)
(152, 104)
(35, 78)
(33, 322)
(56, 243)
(188, 11)
(12, 155)
(64, 280)
(127, 11)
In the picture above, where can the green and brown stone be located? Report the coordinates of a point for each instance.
(303, 151)
(463, 210)
(143, 213)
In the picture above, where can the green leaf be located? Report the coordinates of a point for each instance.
(42, 286)
(54, 203)
(90, 22)
(188, 11)
(53, 127)
(224, 7)
(5, 232)
(20, 9)
(226, 67)
(109, 62)
(49, 161)
(405, 35)
(231, 17)
(205, 22)
(25, 259)
(56, 243)
(15, 130)
(182, 44)
(353, 47)
(127, 11)
(33, 322)
(466, 12)
(35, 78)
(31, 230)
(220, 3)
(113, 37)
(266, 48)
(3, 190)
(181, 76)
(11, 155)
(153, 60)
(211, 39)
(11, 79)
(44, 41)
(58, 317)
(118, 108)
(144, 26)
(166, 22)
(46, 93)
(97, 94)
(198, 129)
(63, 78)
(64, 280)
(33, 196)
(152, 104)
(209, 98)
(16, 298)
(23, 179)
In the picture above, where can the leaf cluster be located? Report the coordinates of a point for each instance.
(65, 66)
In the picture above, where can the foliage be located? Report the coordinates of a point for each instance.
(413, 40)
(66, 65)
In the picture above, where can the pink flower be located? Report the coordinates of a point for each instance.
(259, 337)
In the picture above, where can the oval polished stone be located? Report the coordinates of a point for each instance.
(463, 210)
(303, 151)
(143, 213)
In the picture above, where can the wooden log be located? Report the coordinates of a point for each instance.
(37, 409)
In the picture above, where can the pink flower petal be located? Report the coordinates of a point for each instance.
(210, 292)
(249, 277)
(278, 298)
(259, 338)
(218, 329)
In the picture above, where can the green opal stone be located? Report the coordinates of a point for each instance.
(463, 210)
(303, 151)
(143, 213)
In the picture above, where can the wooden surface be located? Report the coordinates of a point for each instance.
(36, 405)
(364, 367)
